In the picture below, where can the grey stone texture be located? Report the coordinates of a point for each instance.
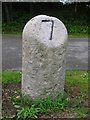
(44, 51)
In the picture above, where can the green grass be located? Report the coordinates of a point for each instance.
(81, 111)
(77, 35)
(11, 77)
(32, 108)
(77, 77)
(12, 28)
(72, 76)
(27, 108)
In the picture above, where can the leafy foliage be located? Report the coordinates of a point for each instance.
(75, 24)
(31, 109)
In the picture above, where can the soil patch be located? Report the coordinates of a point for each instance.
(12, 89)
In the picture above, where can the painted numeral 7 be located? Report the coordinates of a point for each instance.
(51, 27)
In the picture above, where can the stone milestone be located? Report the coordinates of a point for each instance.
(43, 61)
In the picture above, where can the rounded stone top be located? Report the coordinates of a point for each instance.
(47, 30)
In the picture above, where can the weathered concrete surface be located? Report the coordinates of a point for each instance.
(43, 65)
(76, 49)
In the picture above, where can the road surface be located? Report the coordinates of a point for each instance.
(77, 53)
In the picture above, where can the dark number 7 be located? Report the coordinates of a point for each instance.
(51, 27)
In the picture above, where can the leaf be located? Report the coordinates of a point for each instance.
(16, 106)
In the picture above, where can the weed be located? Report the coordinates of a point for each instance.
(81, 111)
(27, 112)
(29, 108)
(26, 108)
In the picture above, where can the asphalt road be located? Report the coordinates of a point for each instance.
(77, 53)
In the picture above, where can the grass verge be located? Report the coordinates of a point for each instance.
(74, 103)
(11, 77)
